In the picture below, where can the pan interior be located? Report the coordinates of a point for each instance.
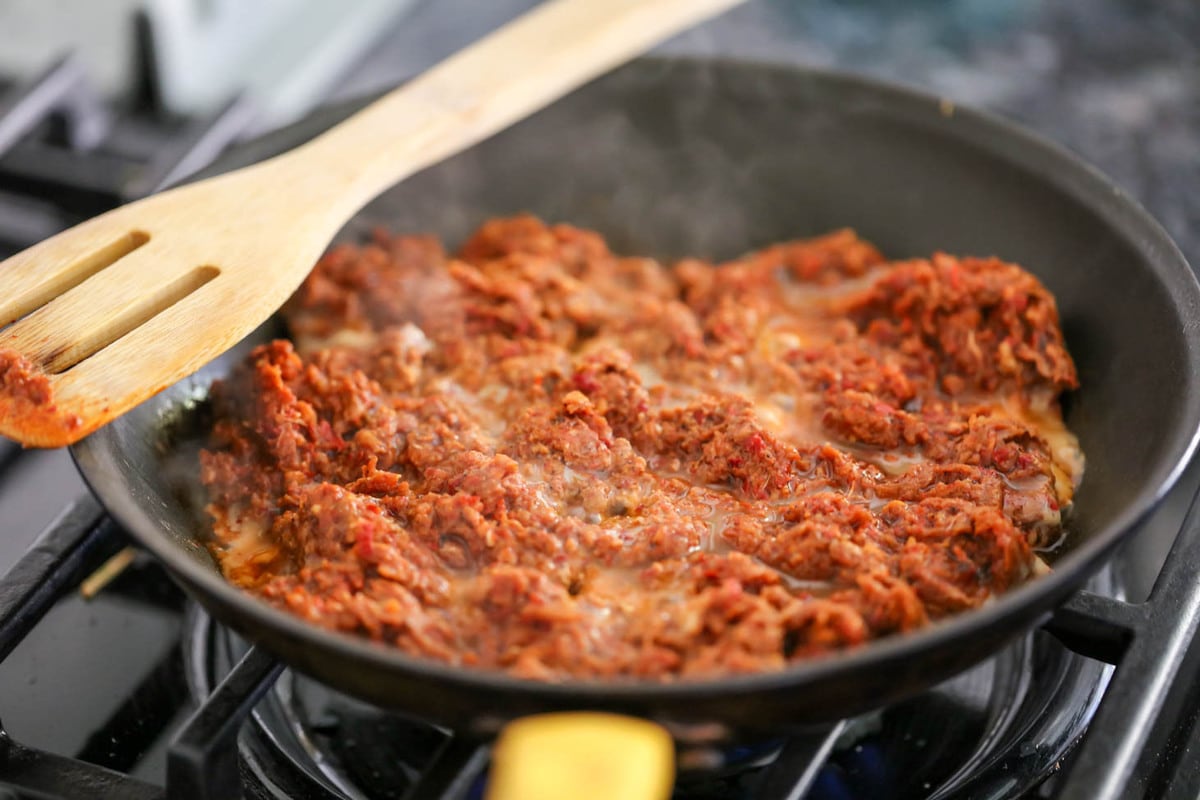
(675, 159)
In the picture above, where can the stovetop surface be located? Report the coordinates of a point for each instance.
(1117, 82)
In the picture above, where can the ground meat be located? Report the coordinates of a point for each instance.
(981, 321)
(541, 457)
(27, 398)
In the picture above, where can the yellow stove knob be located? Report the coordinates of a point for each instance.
(582, 756)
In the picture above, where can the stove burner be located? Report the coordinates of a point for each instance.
(996, 731)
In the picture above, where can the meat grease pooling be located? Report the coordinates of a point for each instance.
(541, 457)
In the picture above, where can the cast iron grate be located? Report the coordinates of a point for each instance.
(65, 157)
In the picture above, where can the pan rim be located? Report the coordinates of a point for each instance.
(988, 132)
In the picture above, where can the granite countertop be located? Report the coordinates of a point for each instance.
(1117, 81)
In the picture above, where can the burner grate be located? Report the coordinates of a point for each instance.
(1144, 735)
(64, 157)
(79, 541)
(203, 761)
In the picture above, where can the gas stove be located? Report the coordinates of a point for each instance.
(167, 697)
(113, 684)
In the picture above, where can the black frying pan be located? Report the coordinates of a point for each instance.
(681, 157)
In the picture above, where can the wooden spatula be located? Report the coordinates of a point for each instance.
(122, 306)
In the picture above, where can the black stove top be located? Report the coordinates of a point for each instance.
(996, 731)
(158, 701)
(134, 693)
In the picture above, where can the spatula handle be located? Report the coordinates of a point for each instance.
(500, 79)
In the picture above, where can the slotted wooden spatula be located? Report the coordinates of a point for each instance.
(122, 306)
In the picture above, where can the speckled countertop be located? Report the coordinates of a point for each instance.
(1117, 81)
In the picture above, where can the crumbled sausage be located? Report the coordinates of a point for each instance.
(541, 457)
